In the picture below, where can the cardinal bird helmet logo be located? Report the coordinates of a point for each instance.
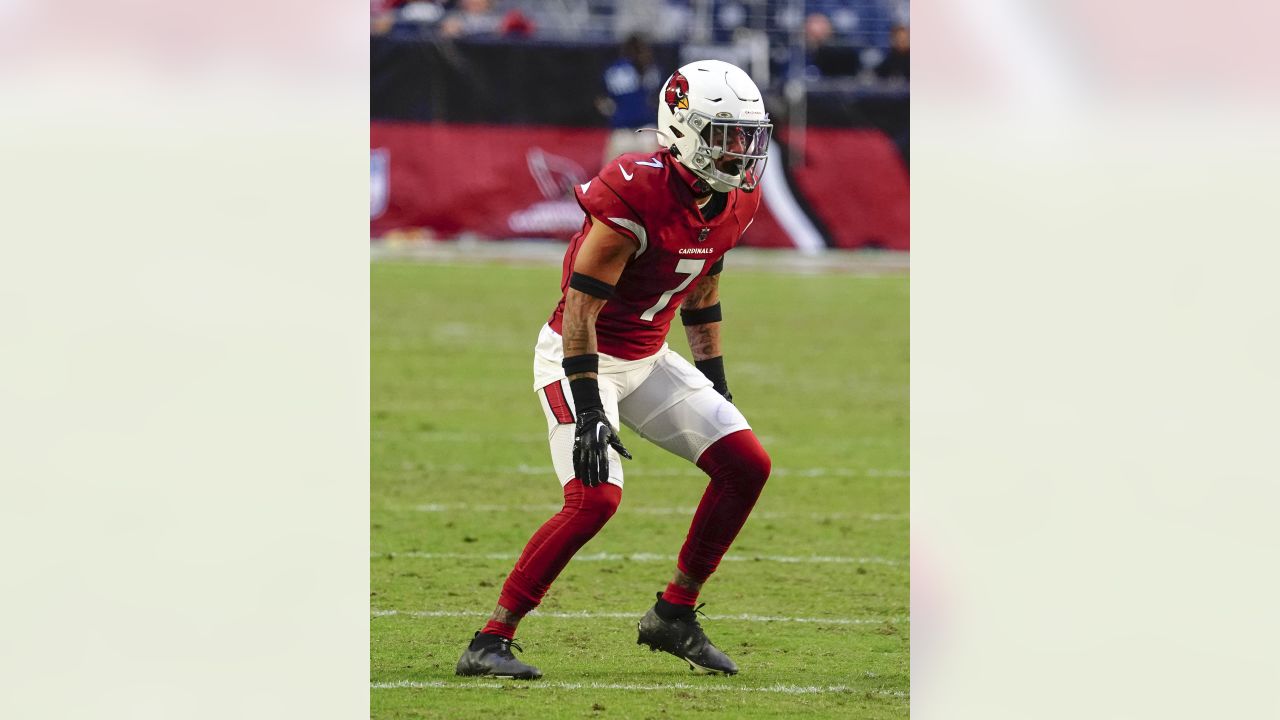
(677, 92)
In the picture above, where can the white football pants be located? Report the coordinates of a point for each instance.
(663, 398)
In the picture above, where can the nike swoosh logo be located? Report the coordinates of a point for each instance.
(587, 184)
(624, 173)
(651, 162)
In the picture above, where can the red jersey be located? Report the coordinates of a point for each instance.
(647, 197)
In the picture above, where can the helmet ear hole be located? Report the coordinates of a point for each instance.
(675, 131)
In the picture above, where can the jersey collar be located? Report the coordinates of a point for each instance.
(691, 184)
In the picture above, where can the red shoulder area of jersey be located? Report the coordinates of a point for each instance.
(626, 191)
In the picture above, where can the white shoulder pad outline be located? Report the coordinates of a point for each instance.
(636, 229)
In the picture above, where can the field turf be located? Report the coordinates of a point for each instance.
(812, 601)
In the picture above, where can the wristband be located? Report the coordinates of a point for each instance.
(586, 395)
(714, 370)
(588, 363)
(701, 316)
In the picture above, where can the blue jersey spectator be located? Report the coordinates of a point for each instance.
(632, 84)
(633, 106)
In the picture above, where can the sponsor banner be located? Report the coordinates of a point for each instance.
(493, 181)
(503, 182)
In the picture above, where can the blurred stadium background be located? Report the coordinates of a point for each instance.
(486, 112)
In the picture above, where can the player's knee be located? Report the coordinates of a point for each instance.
(600, 503)
(755, 465)
(741, 458)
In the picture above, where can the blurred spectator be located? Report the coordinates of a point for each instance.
(416, 14)
(471, 17)
(516, 24)
(632, 85)
(382, 16)
(817, 31)
(823, 57)
(897, 64)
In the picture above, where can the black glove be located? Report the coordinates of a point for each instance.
(593, 435)
(592, 439)
(714, 370)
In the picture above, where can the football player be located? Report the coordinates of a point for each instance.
(656, 228)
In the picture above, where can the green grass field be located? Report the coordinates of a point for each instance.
(812, 601)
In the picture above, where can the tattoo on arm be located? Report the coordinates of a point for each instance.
(579, 326)
(705, 293)
(704, 340)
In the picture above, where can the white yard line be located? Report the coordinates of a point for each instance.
(690, 472)
(635, 615)
(463, 437)
(712, 685)
(649, 557)
(812, 472)
(654, 510)
(477, 437)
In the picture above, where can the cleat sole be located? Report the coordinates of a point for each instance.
(693, 666)
(482, 673)
(500, 677)
(698, 669)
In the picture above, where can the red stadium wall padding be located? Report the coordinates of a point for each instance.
(497, 181)
(856, 184)
(506, 182)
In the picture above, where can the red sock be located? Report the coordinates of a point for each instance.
(585, 511)
(680, 595)
(493, 627)
(738, 467)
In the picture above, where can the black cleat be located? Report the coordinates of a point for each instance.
(684, 638)
(491, 655)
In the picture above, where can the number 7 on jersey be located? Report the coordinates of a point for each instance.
(687, 266)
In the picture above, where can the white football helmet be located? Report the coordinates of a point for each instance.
(711, 116)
